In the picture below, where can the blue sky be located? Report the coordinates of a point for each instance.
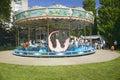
(68, 3)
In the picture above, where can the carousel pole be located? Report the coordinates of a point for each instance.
(16, 42)
(69, 26)
(47, 13)
(18, 38)
(70, 17)
(28, 33)
(91, 33)
(84, 29)
(48, 25)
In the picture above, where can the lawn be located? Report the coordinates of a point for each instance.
(97, 71)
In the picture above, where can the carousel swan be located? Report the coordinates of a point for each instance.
(58, 47)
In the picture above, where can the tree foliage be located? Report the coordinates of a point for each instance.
(90, 5)
(6, 35)
(109, 20)
(5, 9)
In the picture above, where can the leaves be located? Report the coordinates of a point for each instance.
(108, 17)
(5, 9)
(6, 35)
(90, 5)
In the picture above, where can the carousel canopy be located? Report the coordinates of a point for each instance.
(38, 15)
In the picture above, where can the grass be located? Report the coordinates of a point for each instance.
(98, 71)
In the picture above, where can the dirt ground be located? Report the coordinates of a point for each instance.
(99, 56)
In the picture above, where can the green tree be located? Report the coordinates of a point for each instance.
(109, 20)
(5, 10)
(5, 14)
(90, 5)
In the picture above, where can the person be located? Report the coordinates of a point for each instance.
(104, 44)
(76, 42)
(112, 48)
(115, 44)
(96, 45)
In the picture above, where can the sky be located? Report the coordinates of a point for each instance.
(68, 3)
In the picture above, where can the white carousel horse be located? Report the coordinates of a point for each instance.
(30, 42)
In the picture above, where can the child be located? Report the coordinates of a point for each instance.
(112, 48)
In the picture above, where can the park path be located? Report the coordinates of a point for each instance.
(99, 56)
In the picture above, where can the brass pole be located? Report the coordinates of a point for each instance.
(84, 29)
(48, 27)
(48, 31)
(91, 33)
(28, 33)
(18, 37)
(69, 26)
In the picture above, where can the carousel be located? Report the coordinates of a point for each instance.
(55, 31)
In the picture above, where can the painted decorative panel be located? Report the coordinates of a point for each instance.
(78, 13)
(67, 12)
(38, 12)
(58, 12)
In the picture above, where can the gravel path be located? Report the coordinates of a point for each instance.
(99, 56)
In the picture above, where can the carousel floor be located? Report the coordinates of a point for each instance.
(99, 56)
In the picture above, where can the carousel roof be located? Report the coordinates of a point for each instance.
(80, 8)
(58, 6)
(37, 15)
(53, 6)
(36, 7)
